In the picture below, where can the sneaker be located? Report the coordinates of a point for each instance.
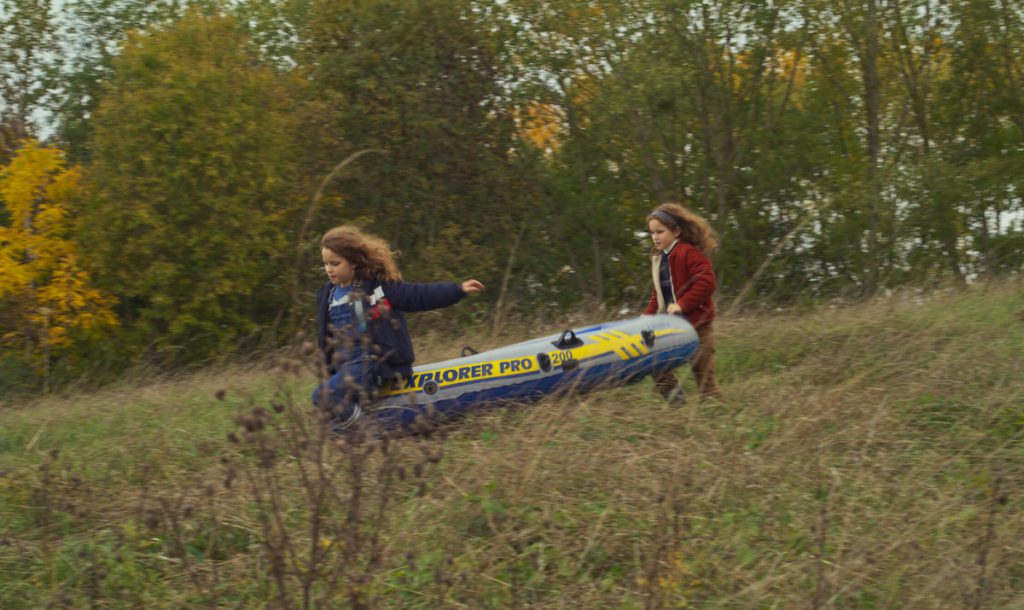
(676, 397)
(712, 399)
(344, 418)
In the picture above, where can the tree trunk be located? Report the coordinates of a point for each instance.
(872, 111)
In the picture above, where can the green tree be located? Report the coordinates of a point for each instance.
(743, 138)
(980, 119)
(683, 101)
(820, 139)
(420, 80)
(192, 179)
(564, 55)
(28, 67)
(95, 31)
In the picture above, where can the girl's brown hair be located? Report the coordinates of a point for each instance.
(694, 229)
(370, 255)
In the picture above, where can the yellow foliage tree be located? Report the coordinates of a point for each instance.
(44, 294)
(540, 124)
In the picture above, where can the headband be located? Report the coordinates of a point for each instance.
(669, 220)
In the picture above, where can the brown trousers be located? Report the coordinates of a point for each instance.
(703, 368)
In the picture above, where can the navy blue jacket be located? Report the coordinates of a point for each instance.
(384, 304)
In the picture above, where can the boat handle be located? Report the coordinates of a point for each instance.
(648, 336)
(469, 351)
(568, 339)
(544, 361)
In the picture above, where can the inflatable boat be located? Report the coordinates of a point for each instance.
(610, 354)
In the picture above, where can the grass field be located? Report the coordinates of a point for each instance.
(865, 456)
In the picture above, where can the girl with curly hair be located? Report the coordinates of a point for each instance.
(361, 328)
(684, 283)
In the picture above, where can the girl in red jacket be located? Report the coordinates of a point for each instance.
(683, 284)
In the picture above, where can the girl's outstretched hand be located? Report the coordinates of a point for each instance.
(472, 286)
(674, 308)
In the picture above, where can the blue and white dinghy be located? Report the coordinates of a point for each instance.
(609, 354)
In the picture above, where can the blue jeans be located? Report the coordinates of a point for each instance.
(341, 397)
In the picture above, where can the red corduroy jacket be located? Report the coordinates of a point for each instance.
(693, 281)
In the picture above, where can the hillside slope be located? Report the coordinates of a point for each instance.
(865, 457)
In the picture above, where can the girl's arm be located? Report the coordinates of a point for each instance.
(409, 296)
(321, 315)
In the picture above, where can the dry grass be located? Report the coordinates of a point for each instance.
(865, 457)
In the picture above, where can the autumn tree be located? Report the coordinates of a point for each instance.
(48, 300)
